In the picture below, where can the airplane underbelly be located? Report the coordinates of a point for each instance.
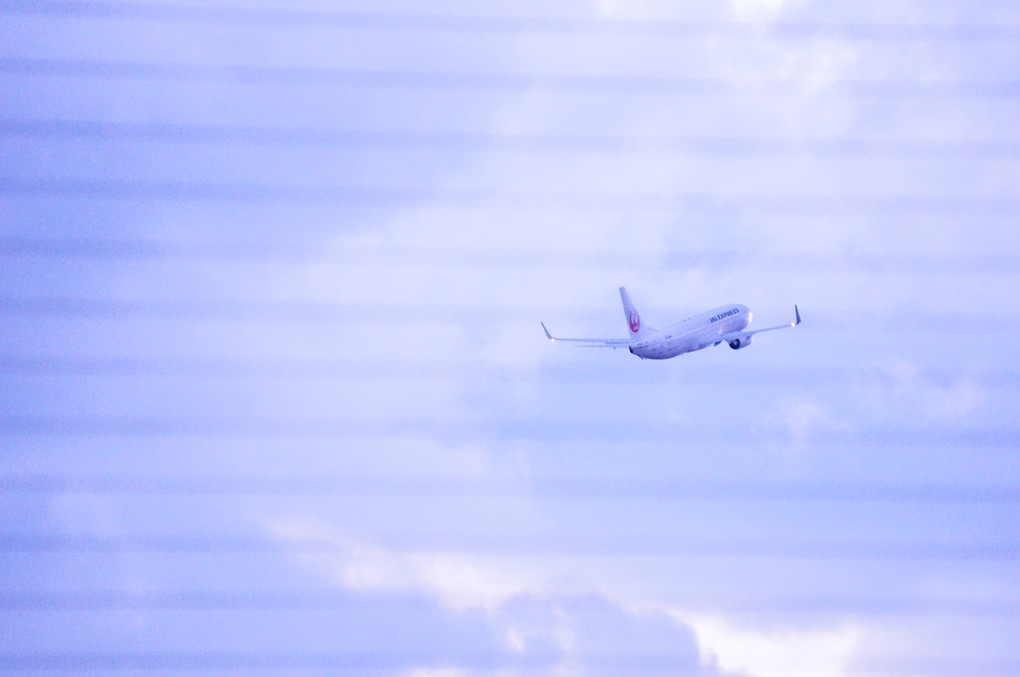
(676, 347)
(662, 350)
(652, 351)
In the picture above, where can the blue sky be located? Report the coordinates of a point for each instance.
(276, 397)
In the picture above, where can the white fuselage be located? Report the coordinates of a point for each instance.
(692, 334)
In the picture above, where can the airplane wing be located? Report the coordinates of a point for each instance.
(744, 337)
(589, 342)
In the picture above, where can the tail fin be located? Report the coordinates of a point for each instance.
(634, 324)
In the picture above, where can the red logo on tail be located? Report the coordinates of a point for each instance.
(635, 321)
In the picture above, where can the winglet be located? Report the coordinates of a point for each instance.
(795, 310)
(547, 334)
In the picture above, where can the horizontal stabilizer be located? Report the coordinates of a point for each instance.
(587, 342)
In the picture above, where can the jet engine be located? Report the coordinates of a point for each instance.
(741, 342)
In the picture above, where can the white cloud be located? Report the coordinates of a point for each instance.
(458, 581)
(519, 600)
(527, 604)
(774, 653)
(436, 672)
(802, 420)
(760, 9)
(904, 387)
(472, 581)
(613, 8)
(958, 401)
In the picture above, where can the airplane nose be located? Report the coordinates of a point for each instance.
(631, 349)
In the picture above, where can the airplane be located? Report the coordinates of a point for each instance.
(725, 324)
